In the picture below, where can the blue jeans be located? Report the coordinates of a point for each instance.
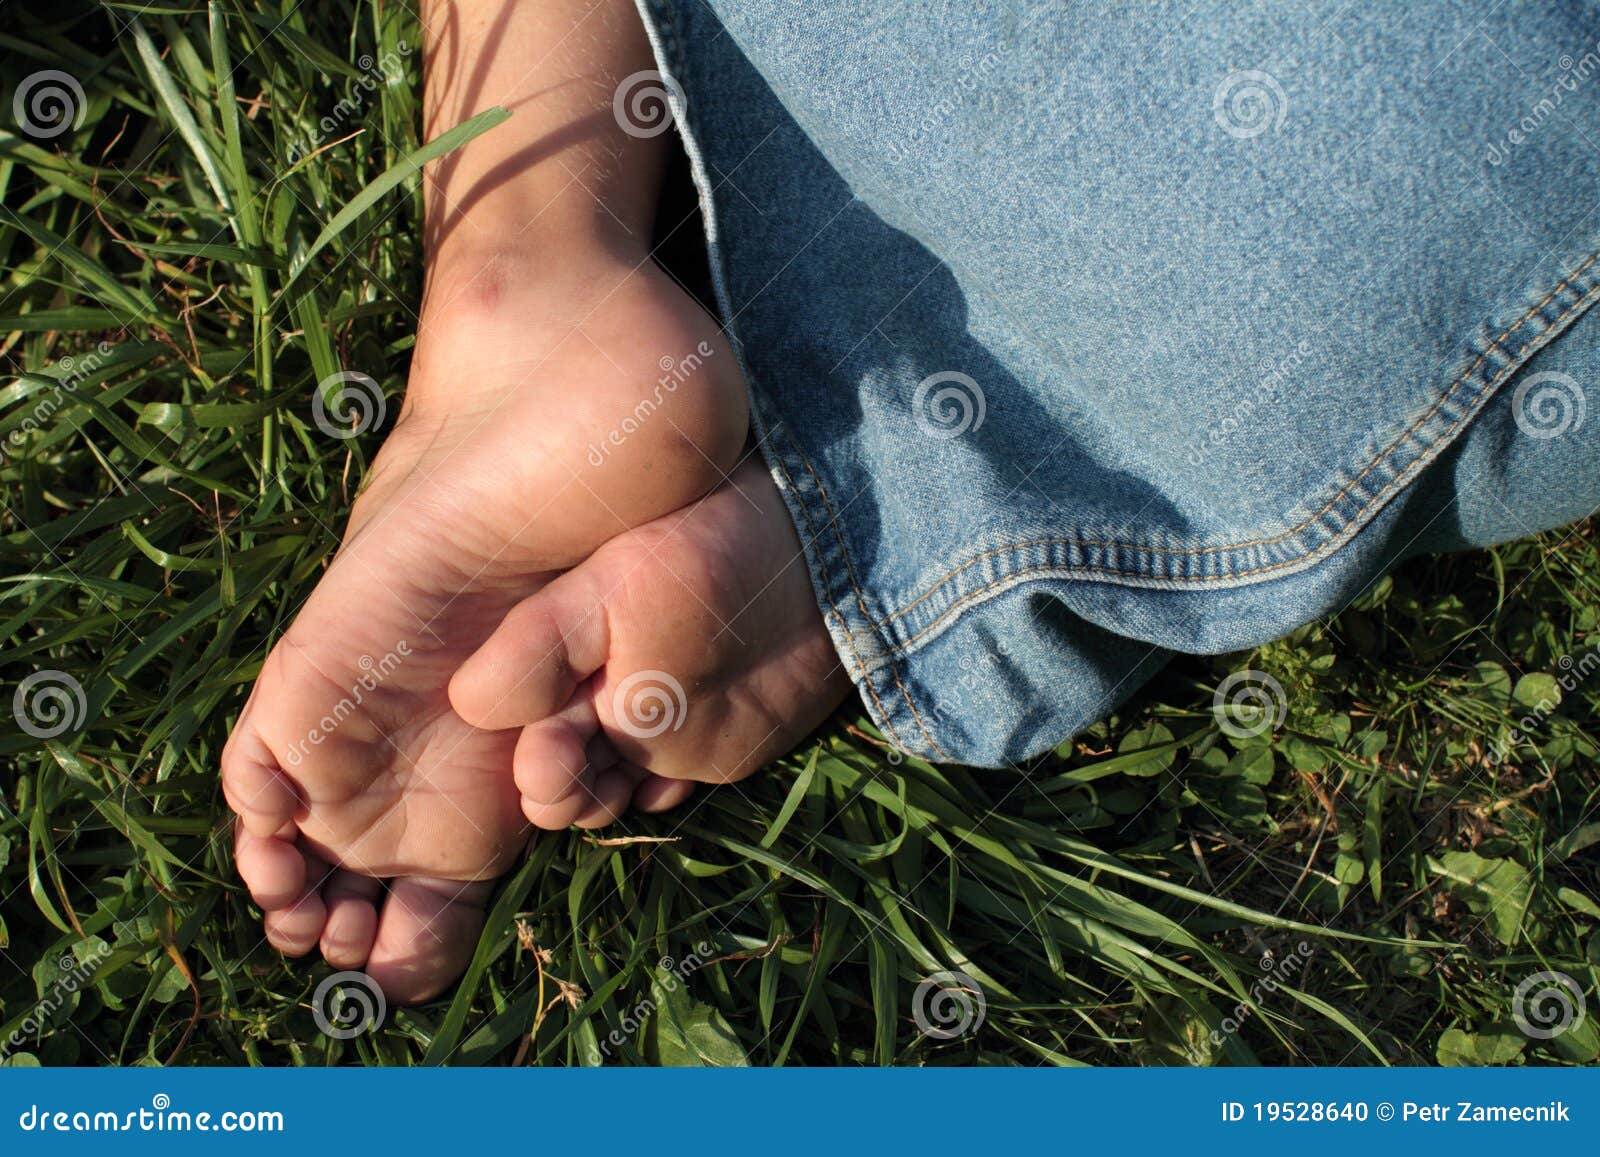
(1081, 335)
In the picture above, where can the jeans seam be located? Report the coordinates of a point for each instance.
(1334, 541)
(845, 630)
(661, 20)
(861, 603)
(1335, 523)
(1376, 461)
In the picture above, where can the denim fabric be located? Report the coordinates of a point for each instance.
(1078, 335)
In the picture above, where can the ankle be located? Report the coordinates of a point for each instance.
(495, 282)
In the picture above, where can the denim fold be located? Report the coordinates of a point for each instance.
(1080, 335)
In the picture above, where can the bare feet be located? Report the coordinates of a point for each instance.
(690, 649)
(540, 422)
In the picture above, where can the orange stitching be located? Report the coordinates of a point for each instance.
(867, 678)
(833, 522)
(1338, 540)
(1422, 460)
(811, 528)
(917, 715)
(833, 609)
(850, 570)
(1297, 529)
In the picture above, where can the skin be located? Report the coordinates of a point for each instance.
(379, 782)
(712, 602)
(542, 325)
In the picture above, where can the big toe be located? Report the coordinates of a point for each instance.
(543, 649)
(426, 935)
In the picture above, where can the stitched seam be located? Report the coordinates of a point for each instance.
(671, 35)
(850, 571)
(811, 529)
(1388, 453)
(672, 45)
(1068, 570)
(833, 522)
(867, 679)
(866, 676)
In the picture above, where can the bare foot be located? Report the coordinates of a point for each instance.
(539, 423)
(690, 649)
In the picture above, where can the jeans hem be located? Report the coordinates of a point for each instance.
(867, 659)
(1490, 364)
(874, 640)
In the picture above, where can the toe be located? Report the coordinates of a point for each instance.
(271, 866)
(553, 796)
(254, 786)
(613, 789)
(352, 923)
(426, 935)
(656, 793)
(557, 817)
(295, 930)
(544, 648)
(553, 760)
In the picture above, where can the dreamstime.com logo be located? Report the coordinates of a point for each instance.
(973, 690)
(1548, 1004)
(72, 975)
(48, 704)
(674, 372)
(649, 703)
(948, 1005)
(670, 974)
(1573, 673)
(1249, 703)
(1574, 75)
(356, 401)
(1249, 103)
(48, 103)
(1275, 973)
(1548, 405)
(646, 103)
(160, 1117)
(955, 95)
(373, 673)
(71, 372)
(347, 1005)
(948, 404)
(1273, 375)
(387, 71)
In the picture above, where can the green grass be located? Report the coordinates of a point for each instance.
(183, 267)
